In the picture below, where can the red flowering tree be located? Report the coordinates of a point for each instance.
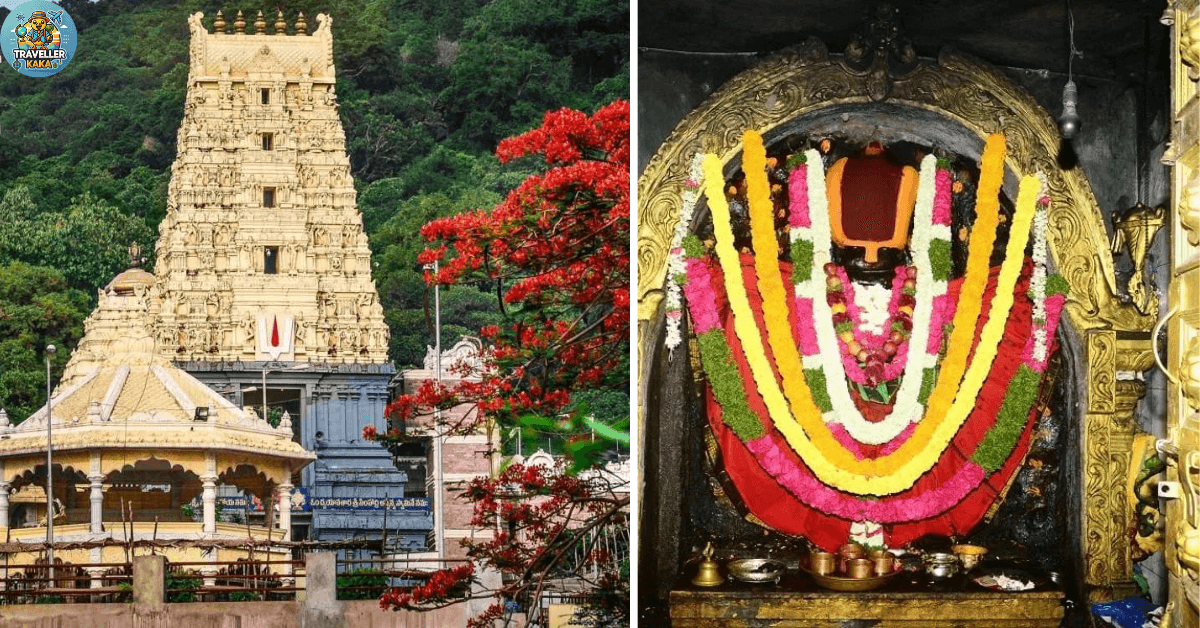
(557, 249)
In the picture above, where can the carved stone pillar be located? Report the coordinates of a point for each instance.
(285, 510)
(285, 523)
(4, 486)
(210, 503)
(97, 502)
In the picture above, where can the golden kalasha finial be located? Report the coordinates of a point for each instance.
(219, 25)
(260, 25)
(280, 25)
(239, 25)
(135, 255)
(301, 25)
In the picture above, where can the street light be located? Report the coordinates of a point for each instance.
(439, 529)
(267, 516)
(297, 367)
(50, 350)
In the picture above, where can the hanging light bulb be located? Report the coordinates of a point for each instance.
(1069, 122)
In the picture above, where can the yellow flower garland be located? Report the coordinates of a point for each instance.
(774, 298)
(898, 471)
(747, 331)
(1002, 301)
(970, 300)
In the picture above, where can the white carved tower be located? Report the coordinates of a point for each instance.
(263, 286)
(262, 255)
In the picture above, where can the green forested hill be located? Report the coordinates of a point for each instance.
(426, 89)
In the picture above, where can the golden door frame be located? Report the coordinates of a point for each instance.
(1112, 337)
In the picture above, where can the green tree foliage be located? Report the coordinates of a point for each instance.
(408, 302)
(37, 308)
(87, 240)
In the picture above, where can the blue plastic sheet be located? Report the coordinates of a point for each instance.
(1129, 613)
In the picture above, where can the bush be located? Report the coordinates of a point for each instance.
(362, 577)
(182, 581)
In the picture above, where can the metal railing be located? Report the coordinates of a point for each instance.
(195, 581)
(72, 582)
(234, 581)
(209, 581)
(368, 578)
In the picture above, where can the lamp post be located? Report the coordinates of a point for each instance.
(439, 526)
(50, 350)
(297, 367)
(267, 516)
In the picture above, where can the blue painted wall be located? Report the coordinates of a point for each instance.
(338, 401)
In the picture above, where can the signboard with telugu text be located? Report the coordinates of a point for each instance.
(302, 502)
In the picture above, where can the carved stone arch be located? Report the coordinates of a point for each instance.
(257, 478)
(36, 476)
(185, 461)
(806, 86)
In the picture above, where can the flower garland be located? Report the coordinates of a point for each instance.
(871, 359)
(715, 355)
(970, 301)
(1000, 439)
(828, 461)
(729, 388)
(993, 329)
(770, 284)
(675, 266)
(908, 408)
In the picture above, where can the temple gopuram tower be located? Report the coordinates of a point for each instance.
(263, 271)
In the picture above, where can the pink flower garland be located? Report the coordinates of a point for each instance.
(704, 311)
(805, 332)
(1054, 306)
(941, 200)
(855, 371)
(889, 510)
(798, 194)
(944, 307)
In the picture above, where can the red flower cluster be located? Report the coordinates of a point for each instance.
(560, 246)
(439, 589)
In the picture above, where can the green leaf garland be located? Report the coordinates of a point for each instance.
(1010, 421)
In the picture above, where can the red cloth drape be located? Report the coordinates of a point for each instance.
(783, 511)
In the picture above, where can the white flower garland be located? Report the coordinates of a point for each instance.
(872, 300)
(675, 258)
(867, 534)
(907, 408)
(1037, 284)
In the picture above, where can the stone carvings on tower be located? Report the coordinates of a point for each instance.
(262, 254)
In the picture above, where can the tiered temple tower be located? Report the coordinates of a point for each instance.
(263, 271)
